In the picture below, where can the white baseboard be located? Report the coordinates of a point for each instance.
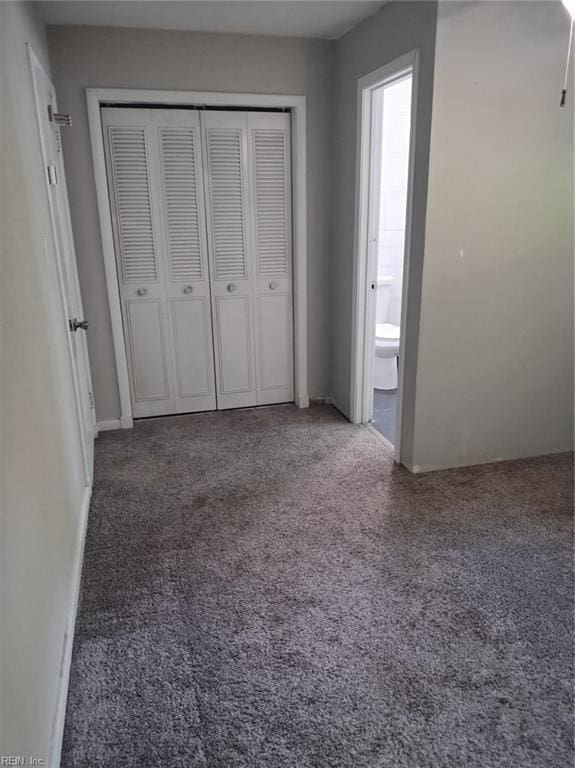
(479, 461)
(106, 426)
(302, 402)
(62, 697)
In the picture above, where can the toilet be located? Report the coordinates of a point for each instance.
(386, 339)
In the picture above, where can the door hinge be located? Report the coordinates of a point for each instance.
(52, 175)
(91, 396)
(60, 118)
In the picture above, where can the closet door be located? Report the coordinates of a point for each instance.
(270, 207)
(154, 176)
(187, 274)
(129, 142)
(231, 256)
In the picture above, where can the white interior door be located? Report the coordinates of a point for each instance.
(73, 313)
(155, 179)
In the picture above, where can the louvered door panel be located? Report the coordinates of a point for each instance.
(129, 160)
(154, 163)
(272, 192)
(269, 160)
(184, 239)
(231, 256)
(225, 159)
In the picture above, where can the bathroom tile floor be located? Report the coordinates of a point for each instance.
(384, 412)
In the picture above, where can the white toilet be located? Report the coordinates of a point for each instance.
(386, 339)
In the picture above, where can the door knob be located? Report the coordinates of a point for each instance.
(231, 287)
(142, 291)
(188, 289)
(273, 285)
(74, 324)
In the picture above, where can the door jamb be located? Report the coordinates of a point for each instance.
(363, 329)
(297, 106)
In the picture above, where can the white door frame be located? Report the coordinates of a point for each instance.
(364, 297)
(126, 97)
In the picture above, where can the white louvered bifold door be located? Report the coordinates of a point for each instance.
(231, 253)
(270, 209)
(154, 165)
(248, 185)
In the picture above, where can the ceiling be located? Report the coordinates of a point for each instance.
(290, 18)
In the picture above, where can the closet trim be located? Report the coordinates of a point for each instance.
(98, 97)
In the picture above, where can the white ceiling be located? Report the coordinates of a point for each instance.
(291, 18)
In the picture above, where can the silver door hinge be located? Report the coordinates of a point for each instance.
(60, 118)
(91, 396)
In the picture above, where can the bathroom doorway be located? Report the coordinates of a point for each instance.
(393, 105)
(385, 174)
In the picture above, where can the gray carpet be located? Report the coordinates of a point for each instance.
(264, 589)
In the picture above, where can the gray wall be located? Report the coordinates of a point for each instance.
(41, 487)
(395, 30)
(101, 57)
(495, 369)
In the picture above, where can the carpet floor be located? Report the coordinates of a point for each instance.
(265, 589)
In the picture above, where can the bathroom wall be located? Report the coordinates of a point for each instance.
(495, 368)
(136, 58)
(393, 196)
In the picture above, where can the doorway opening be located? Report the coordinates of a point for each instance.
(385, 180)
(392, 122)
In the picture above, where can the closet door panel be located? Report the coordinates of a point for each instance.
(193, 350)
(235, 353)
(187, 274)
(147, 348)
(270, 177)
(156, 182)
(130, 158)
(274, 337)
(231, 255)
